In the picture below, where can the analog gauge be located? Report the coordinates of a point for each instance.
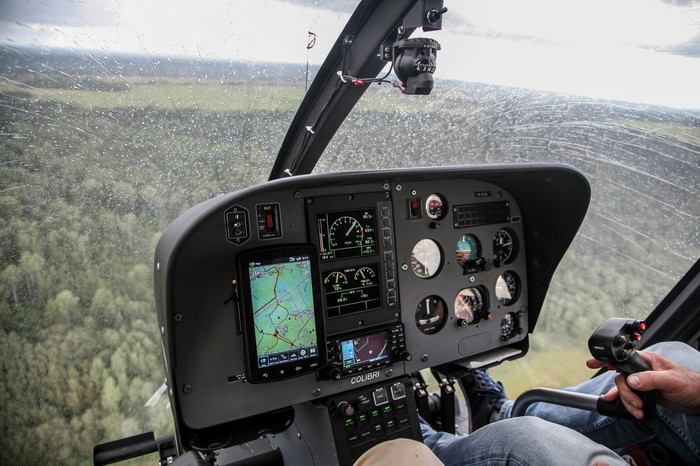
(426, 258)
(346, 232)
(365, 276)
(431, 314)
(510, 326)
(469, 305)
(335, 281)
(505, 247)
(436, 206)
(507, 288)
(467, 250)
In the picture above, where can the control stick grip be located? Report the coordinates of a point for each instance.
(614, 342)
(633, 364)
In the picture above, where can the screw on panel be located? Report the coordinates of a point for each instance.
(413, 192)
(187, 389)
(399, 187)
(386, 186)
(297, 194)
(178, 317)
(316, 392)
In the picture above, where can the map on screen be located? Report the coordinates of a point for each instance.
(283, 311)
(365, 349)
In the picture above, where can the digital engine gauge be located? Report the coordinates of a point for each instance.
(346, 232)
(352, 289)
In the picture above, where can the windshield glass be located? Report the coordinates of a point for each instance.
(611, 89)
(115, 118)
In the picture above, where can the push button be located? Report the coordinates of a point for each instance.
(380, 397)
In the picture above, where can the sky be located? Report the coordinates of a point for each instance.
(637, 50)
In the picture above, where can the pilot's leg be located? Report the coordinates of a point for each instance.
(519, 441)
(403, 452)
(679, 432)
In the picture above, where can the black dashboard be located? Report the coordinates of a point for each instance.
(290, 301)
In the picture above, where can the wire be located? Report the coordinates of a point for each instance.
(303, 438)
(343, 79)
(311, 41)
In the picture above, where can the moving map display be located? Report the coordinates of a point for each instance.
(283, 311)
(365, 349)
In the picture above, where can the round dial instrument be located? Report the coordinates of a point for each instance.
(469, 305)
(346, 232)
(431, 314)
(426, 258)
(505, 247)
(467, 249)
(436, 206)
(507, 288)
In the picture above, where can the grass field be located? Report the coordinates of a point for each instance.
(207, 95)
(551, 367)
(210, 95)
(547, 365)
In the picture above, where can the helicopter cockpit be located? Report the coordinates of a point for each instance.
(302, 307)
(413, 227)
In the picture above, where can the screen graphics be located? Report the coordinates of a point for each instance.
(365, 349)
(283, 311)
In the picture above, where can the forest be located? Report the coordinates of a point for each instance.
(99, 154)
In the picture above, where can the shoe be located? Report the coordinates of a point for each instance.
(484, 396)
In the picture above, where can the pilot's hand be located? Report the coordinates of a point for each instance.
(678, 387)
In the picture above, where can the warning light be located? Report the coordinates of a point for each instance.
(414, 209)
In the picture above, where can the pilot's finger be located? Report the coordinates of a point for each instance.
(595, 364)
(631, 401)
(612, 394)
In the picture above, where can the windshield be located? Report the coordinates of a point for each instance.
(608, 88)
(117, 117)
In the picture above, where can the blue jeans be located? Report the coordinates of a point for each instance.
(678, 432)
(518, 442)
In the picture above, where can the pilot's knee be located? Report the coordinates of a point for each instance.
(678, 352)
(400, 451)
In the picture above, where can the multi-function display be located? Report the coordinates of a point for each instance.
(366, 349)
(282, 312)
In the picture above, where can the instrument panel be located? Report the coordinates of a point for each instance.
(300, 290)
